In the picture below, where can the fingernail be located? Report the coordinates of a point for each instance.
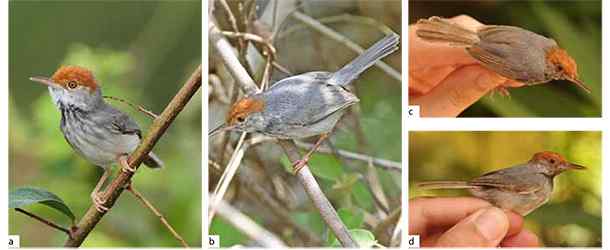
(490, 222)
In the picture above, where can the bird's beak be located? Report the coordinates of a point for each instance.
(220, 129)
(580, 84)
(575, 166)
(44, 80)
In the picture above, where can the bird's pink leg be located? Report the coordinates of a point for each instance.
(125, 165)
(96, 195)
(297, 165)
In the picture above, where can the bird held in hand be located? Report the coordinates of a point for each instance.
(512, 52)
(100, 133)
(521, 188)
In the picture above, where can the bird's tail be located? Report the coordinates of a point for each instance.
(426, 185)
(379, 50)
(436, 29)
(153, 161)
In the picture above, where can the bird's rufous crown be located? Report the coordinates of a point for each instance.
(549, 156)
(81, 76)
(558, 56)
(242, 108)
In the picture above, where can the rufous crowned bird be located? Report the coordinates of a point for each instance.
(100, 133)
(521, 188)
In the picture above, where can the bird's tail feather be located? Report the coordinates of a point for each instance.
(426, 185)
(153, 161)
(436, 29)
(379, 50)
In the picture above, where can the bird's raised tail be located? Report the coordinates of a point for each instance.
(426, 185)
(352, 70)
(153, 161)
(436, 29)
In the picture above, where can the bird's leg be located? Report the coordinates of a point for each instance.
(122, 159)
(96, 195)
(297, 165)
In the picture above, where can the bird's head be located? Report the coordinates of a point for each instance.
(563, 67)
(552, 163)
(72, 85)
(245, 115)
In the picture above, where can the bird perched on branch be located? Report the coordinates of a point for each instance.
(97, 131)
(305, 105)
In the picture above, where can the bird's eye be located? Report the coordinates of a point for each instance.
(241, 119)
(552, 161)
(72, 84)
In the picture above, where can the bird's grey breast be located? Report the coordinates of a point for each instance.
(99, 135)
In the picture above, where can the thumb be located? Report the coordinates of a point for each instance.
(484, 228)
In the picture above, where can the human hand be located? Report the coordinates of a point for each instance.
(444, 80)
(466, 222)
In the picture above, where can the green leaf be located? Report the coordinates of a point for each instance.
(25, 196)
(364, 238)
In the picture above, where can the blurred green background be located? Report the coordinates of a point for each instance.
(141, 51)
(572, 217)
(575, 25)
(372, 127)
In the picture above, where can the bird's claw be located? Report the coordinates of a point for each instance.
(99, 202)
(128, 169)
(298, 165)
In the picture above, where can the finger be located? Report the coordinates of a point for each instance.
(524, 238)
(485, 228)
(515, 222)
(424, 54)
(427, 213)
(458, 91)
(467, 22)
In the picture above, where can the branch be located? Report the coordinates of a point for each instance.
(383, 163)
(330, 216)
(157, 129)
(247, 226)
(225, 50)
(312, 188)
(154, 210)
(46, 222)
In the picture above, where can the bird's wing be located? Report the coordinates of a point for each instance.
(497, 50)
(318, 100)
(516, 179)
(120, 122)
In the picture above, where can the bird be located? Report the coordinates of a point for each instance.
(521, 188)
(510, 51)
(100, 133)
(304, 105)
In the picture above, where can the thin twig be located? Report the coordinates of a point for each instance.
(383, 163)
(137, 107)
(92, 217)
(227, 176)
(247, 226)
(154, 210)
(46, 222)
(225, 50)
(323, 29)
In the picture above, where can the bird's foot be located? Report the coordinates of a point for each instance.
(127, 169)
(299, 164)
(98, 201)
